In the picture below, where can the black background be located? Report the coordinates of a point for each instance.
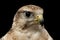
(8, 9)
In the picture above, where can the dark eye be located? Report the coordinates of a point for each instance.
(27, 13)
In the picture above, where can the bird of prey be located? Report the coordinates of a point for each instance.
(27, 25)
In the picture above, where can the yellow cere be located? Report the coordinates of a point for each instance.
(38, 18)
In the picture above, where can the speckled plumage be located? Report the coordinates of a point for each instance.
(26, 28)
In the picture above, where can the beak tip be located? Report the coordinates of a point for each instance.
(41, 22)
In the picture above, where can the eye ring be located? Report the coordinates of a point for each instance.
(28, 14)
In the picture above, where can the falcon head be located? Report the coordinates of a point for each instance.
(28, 15)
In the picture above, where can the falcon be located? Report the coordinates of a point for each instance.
(28, 25)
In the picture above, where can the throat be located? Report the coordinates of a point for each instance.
(34, 27)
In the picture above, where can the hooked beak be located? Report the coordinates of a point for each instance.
(38, 18)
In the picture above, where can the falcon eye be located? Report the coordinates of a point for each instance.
(28, 14)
